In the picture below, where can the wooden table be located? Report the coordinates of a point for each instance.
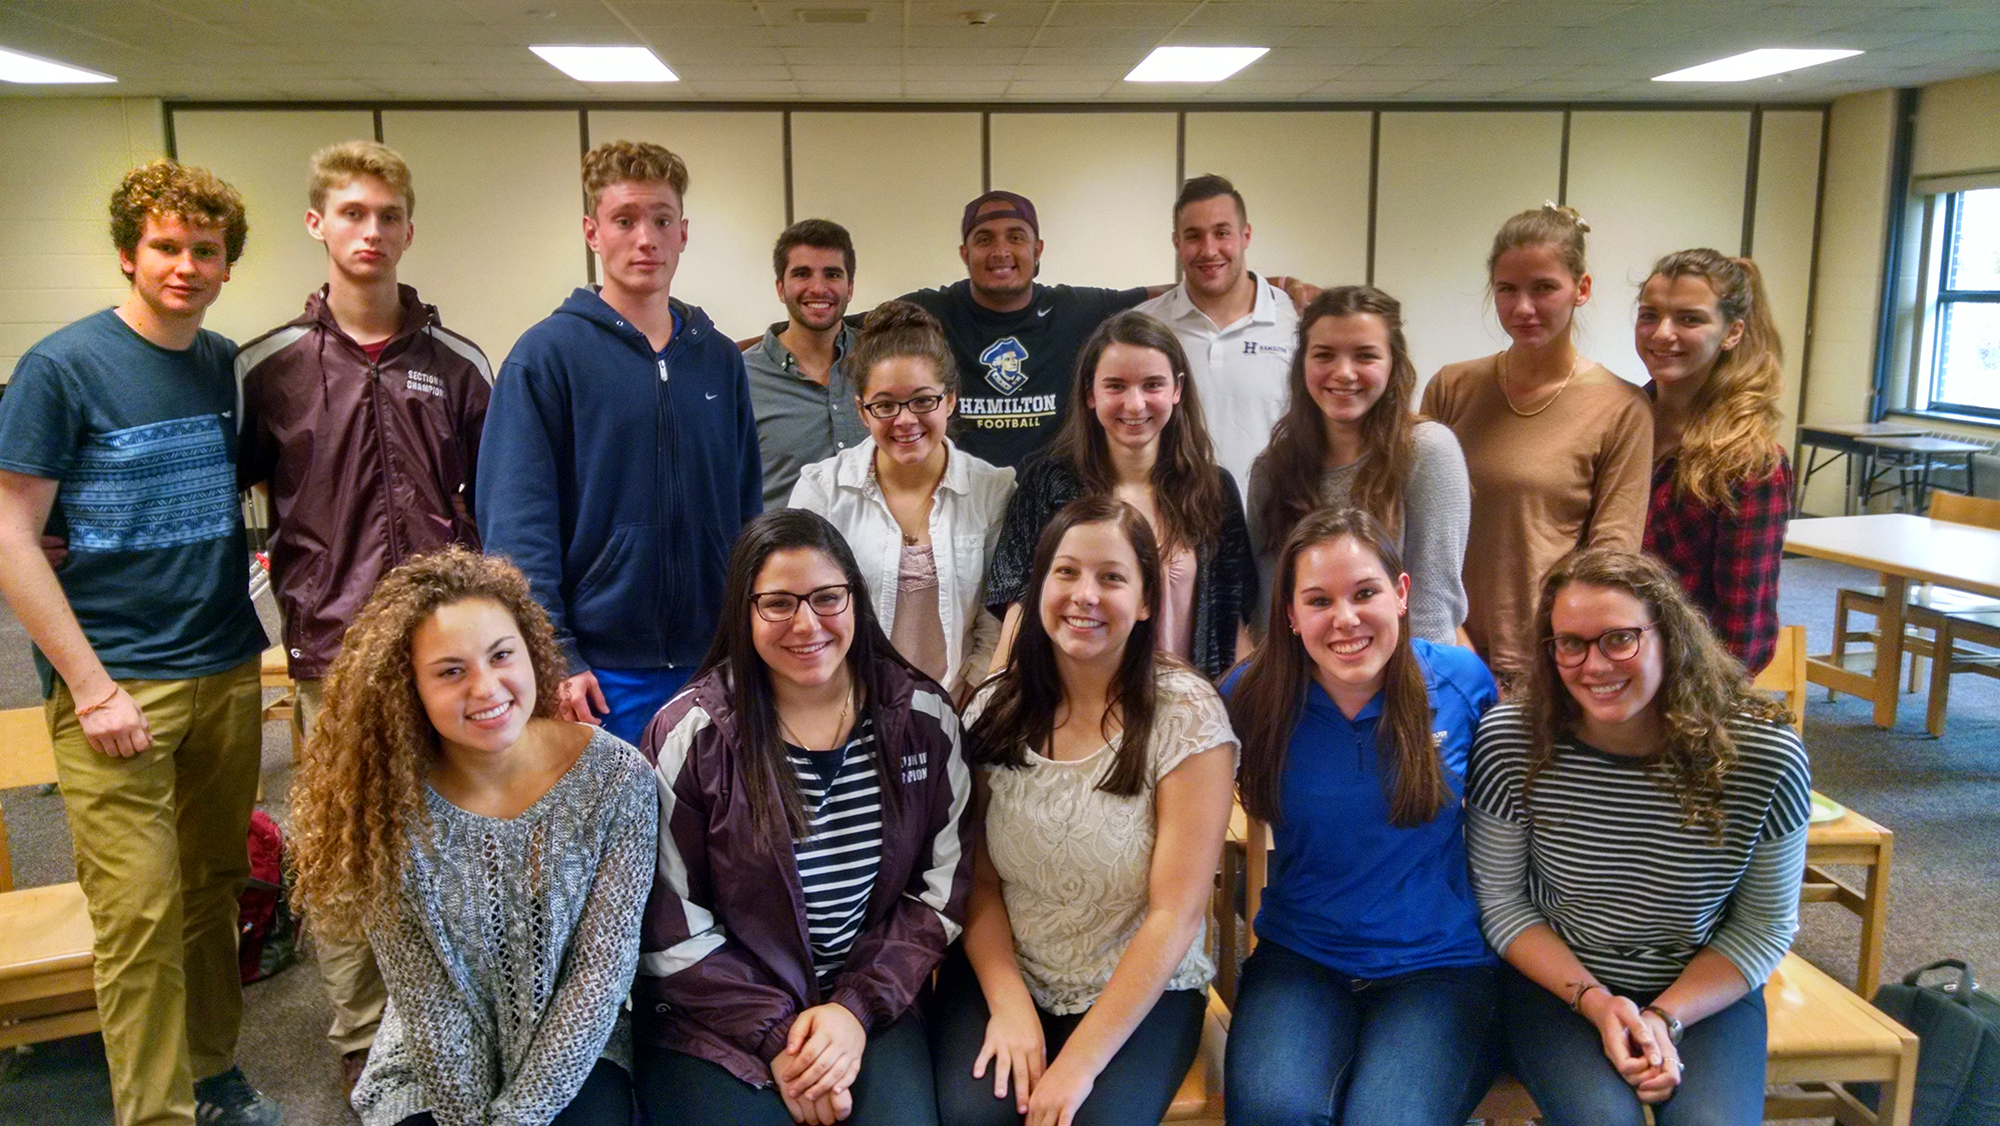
(1902, 549)
(1844, 439)
(1853, 839)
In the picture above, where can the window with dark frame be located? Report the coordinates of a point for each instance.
(1965, 371)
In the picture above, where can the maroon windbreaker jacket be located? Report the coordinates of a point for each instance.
(725, 962)
(369, 463)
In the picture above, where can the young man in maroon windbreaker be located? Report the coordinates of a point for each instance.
(362, 417)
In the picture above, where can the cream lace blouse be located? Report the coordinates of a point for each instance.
(1074, 860)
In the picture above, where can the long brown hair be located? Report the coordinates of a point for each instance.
(1702, 689)
(777, 814)
(1021, 712)
(359, 795)
(1268, 699)
(1289, 470)
(1187, 484)
(1732, 430)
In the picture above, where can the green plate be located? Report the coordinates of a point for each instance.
(1825, 809)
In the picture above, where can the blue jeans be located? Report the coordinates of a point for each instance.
(1309, 1045)
(635, 695)
(893, 1089)
(1559, 1058)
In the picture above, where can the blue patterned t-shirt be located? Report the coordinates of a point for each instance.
(143, 441)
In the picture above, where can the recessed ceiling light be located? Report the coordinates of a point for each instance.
(17, 67)
(1755, 64)
(606, 64)
(1194, 64)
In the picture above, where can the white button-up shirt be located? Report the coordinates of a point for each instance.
(964, 526)
(1240, 371)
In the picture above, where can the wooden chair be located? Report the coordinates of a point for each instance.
(1928, 604)
(1786, 674)
(45, 937)
(1964, 642)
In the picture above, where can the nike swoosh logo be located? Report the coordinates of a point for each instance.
(1045, 311)
(711, 394)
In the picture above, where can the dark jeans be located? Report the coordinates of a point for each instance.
(1309, 1045)
(636, 695)
(1134, 1089)
(605, 1100)
(893, 1089)
(1559, 1058)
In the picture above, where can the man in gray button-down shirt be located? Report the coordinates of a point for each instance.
(799, 388)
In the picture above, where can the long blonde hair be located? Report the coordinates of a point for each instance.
(359, 794)
(1732, 430)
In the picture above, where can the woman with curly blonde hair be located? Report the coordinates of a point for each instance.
(495, 857)
(1722, 487)
(1636, 827)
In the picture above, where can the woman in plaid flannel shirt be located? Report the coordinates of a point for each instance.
(1722, 486)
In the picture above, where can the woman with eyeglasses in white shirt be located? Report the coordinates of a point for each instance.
(921, 515)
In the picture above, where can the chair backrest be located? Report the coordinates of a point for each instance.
(27, 758)
(1956, 508)
(1786, 674)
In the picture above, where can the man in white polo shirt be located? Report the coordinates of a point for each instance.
(1239, 329)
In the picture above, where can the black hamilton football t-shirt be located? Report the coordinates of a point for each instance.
(1014, 369)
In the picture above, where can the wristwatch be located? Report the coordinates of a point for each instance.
(1673, 1024)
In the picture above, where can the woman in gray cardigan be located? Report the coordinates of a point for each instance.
(496, 857)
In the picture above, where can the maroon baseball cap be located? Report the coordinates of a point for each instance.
(1018, 207)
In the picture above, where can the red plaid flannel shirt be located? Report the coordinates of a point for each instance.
(1727, 561)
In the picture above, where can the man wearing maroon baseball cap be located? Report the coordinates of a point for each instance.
(1015, 340)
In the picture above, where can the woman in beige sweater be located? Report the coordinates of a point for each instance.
(1558, 448)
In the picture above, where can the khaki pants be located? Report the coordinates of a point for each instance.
(346, 965)
(161, 853)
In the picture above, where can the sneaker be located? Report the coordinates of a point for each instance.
(229, 1100)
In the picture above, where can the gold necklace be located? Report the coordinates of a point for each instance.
(1575, 365)
(839, 728)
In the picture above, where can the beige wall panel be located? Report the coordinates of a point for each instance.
(1103, 186)
(735, 206)
(1649, 183)
(1446, 183)
(265, 154)
(499, 217)
(898, 182)
(60, 160)
(1304, 178)
(1841, 354)
(1787, 190)
(1955, 127)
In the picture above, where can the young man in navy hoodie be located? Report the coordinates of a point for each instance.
(620, 454)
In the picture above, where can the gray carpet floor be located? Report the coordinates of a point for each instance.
(1938, 795)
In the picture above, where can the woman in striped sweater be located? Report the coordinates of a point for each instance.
(1637, 829)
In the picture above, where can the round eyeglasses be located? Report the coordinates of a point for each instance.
(886, 409)
(1616, 645)
(783, 605)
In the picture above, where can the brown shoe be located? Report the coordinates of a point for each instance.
(350, 1070)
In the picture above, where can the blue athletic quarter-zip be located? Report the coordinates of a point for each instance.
(626, 552)
(1349, 890)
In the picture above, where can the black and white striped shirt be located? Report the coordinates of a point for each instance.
(842, 851)
(1600, 853)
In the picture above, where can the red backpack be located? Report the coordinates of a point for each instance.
(267, 935)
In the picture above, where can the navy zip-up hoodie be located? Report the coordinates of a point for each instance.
(616, 478)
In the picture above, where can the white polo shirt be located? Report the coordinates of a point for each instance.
(1241, 372)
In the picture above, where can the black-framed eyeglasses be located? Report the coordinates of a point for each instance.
(886, 409)
(783, 605)
(1616, 644)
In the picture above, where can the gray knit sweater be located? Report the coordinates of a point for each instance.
(509, 963)
(1437, 510)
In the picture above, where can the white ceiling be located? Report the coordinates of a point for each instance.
(1032, 50)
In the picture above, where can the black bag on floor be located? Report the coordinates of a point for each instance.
(1958, 1051)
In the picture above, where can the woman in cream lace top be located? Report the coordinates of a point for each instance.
(1082, 983)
